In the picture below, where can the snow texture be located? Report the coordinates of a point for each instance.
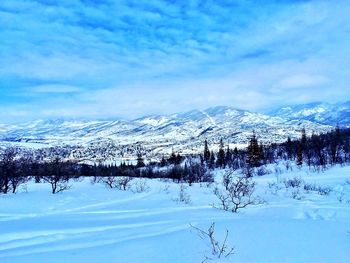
(91, 223)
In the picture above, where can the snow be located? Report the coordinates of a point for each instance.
(209, 118)
(158, 135)
(91, 223)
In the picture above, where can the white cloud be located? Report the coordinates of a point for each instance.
(129, 59)
(302, 81)
(55, 88)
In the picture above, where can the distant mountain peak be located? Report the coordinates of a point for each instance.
(183, 132)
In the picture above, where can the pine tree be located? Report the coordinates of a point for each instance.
(163, 162)
(335, 144)
(254, 152)
(206, 154)
(212, 160)
(305, 147)
(178, 159)
(140, 161)
(228, 156)
(303, 137)
(299, 160)
(289, 148)
(221, 155)
(261, 152)
(173, 157)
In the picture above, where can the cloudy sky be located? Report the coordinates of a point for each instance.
(128, 58)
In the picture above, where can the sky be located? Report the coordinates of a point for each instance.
(101, 59)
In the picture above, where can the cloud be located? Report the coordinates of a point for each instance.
(128, 58)
(55, 89)
(302, 81)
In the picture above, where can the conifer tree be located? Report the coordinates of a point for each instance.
(335, 144)
(163, 162)
(206, 154)
(221, 155)
(289, 148)
(212, 160)
(140, 161)
(303, 137)
(173, 157)
(228, 156)
(299, 160)
(254, 152)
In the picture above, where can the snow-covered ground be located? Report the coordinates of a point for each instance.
(91, 223)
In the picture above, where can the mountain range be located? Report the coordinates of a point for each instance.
(158, 135)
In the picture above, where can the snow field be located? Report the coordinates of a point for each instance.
(91, 223)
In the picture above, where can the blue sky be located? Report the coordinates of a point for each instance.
(123, 58)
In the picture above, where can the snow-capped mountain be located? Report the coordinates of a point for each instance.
(324, 113)
(156, 135)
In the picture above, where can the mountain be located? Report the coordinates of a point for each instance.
(155, 135)
(318, 112)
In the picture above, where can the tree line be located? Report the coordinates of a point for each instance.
(17, 168)
(318, 151)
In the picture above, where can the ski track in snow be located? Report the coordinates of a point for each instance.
(210, 118)
(28, 242)
(96, 224)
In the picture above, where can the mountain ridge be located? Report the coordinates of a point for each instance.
(159, 135)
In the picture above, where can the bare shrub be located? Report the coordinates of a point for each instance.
(321, 190)
(16, 181)
(296, 194)
(293, 183)
(274, 187)
(121, 183)
(278, 170)
(58, 183)
(166, 188)
(236, 193)
(218, 249)
(324, 190)
(140, 186)
(262, 170)
(288, 166)
(340, 196)
(184, 196)
(308, 187)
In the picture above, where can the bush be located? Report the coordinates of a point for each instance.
(183, 196)
(140, 185)
(293, 183)
(236, 193)
(262, 170)
(219, 249)
(121, 183)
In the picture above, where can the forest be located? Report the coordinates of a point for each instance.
(317, 152)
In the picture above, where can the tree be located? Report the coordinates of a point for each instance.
(335, 145)
(57, 176)
(7, 169)
(140, 161)
(254, 152)
(299, 160)
(211, 160)
(228, 156)
(221, 155)
(163, 162)
(303, 137)
(206, 153)
(175, 158)
(289, 148)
